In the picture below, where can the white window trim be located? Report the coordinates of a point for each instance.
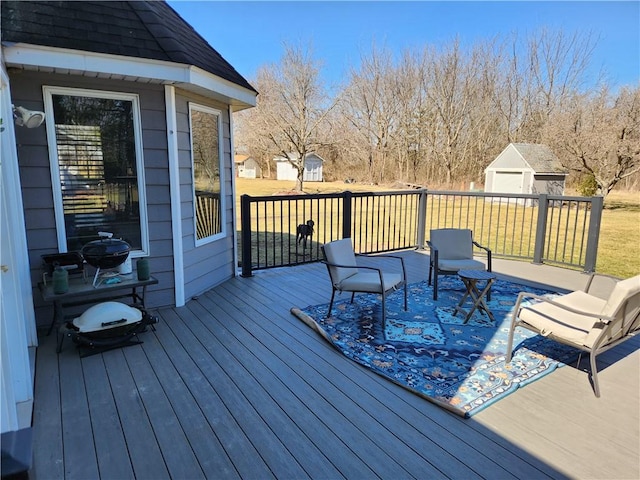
(223, 233)
(54, 163)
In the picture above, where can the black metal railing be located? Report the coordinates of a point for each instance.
(289, 230)
(543, 228)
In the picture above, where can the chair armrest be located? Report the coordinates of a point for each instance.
(486, 249)
(397, 257)
(433, 253)
(359, 267)
(351, 266)
(523, 295)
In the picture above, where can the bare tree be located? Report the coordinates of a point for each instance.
(453, 89)
(291, 108)
(557, 62)
(599, 135)
(381, 103)
(433, 115)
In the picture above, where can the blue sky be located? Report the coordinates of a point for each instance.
(251, 34)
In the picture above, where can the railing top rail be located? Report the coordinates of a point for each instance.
(266, 198)
(482, 194)
(311, 196)
(566, 198)
(263, 198)
(534, 196)
(389, 192)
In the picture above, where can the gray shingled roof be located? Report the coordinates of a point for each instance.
(540, 157)
(140, 29)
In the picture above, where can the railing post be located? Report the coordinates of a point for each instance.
(422, 219)
(541, 228)
(593, 236)
(346, 214)
(245, 234)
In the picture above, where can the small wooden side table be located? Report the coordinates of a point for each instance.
(470, 278)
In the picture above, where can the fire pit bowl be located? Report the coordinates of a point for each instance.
(106, 252)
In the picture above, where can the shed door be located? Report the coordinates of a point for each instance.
(313, 171)
(507, 182)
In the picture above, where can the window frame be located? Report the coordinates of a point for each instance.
(54, 161)
(223, 227)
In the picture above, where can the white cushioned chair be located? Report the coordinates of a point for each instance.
(347, 276)
(451, 250)
(582, 320)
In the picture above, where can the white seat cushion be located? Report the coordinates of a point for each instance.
(368, 281)
(455, 265)
(554, 321)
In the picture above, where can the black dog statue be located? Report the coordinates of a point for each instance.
(304, 232)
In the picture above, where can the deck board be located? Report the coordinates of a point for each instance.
(79, 449)
(242, 414)
(211, 455)
(237, 446)
(47, 417)
(390, 421)
(144, 451)
(234, 386)
(387, 456)
(110, 443)
(286, 444)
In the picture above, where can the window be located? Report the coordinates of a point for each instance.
(96, 166)
(206, 157)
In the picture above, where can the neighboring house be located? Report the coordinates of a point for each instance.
(136, 140)
(525, 168)
(247, 167)
(312, 168)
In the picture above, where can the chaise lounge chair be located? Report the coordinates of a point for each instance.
(582, 320)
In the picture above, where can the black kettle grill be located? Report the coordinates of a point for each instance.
(105, 253)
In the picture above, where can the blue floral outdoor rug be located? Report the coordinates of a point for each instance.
(431, 352)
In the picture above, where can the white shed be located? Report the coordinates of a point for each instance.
(525, 168)
(247, 167)
(312, 168)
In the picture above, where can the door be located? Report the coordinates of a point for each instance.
(507, 182)
(17, 317)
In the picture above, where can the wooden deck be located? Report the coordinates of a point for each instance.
(233, 386)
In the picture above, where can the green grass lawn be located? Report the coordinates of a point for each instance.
(619, 246)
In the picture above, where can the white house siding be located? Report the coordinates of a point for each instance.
(251, 169)
(285, 171)
(312, 169)
(37, 191)
(212, 263)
